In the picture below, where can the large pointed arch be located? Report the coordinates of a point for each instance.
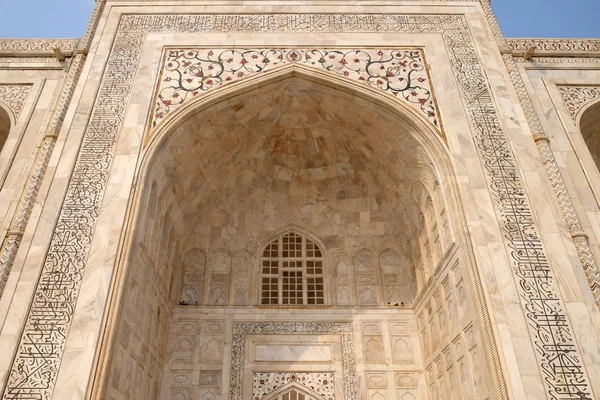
(421, 134)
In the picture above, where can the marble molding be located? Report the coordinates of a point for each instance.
(37, 45)
(42, 343)
(30, 60)
(569, 45)
(559, 60)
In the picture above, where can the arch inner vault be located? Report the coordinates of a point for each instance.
(307, 194)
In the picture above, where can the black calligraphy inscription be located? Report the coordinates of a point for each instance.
(34, 371)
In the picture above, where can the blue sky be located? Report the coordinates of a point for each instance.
(518, 18)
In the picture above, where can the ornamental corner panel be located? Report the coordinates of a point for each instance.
(187, 73)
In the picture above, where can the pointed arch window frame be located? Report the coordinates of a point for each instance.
(291, 269)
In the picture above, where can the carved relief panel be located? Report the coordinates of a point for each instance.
(340, 360)
(194, 269)
(219, 278)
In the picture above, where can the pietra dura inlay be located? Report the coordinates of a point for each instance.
(188, 73)
(14, 97)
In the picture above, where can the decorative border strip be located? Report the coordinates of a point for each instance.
(30, 60)
(41, 347)
(574, 45)
(37, 45)
(577, 97)
(241, 329)
(563, 60)
(188, 73)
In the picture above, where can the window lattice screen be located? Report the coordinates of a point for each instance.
(292, 272)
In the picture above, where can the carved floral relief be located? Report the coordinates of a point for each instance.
(577, 97)
(14, 97)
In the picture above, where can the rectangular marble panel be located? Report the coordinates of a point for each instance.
(297, 353)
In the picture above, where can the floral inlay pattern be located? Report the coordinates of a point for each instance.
(14, 97)
(576, 97)
(265, 383)
(187, 73)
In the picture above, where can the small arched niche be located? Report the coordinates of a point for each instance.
(229, 179)
(589, 124)
(4, 126)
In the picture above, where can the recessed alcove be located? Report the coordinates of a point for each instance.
(228, 193)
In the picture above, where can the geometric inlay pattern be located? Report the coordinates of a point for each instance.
(321, 383)
(40, 350)
(576, 97)
(14, 97)
(187, 73)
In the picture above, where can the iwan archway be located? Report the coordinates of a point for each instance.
(296, 228)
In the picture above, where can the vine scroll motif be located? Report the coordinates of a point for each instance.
(40, 350)
(14, 97)
(577, 97)
(187, 73)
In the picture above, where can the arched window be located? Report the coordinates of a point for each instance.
(292, 271)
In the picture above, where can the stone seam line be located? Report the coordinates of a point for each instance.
(542, 141)
(12, 240)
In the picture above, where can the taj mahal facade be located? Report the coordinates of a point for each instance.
(299, 200)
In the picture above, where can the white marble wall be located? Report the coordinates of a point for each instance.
(542, 79)
(452, 348)
(198, 360)
(141, 356)
(43, 82)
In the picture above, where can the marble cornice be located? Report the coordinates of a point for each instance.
(36, 47)
(555, 47)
